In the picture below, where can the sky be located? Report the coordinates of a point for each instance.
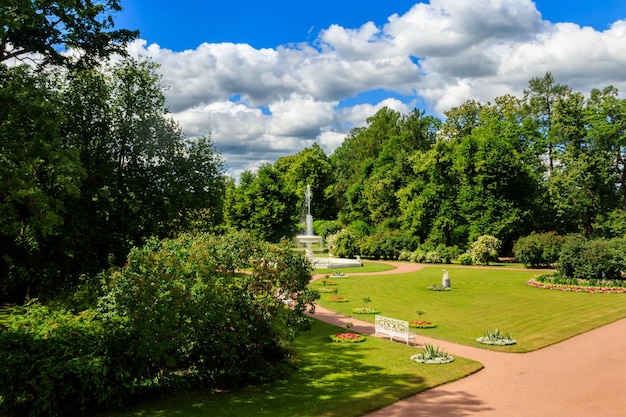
(268, 79)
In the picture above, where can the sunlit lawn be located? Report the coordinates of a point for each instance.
(332, 380)
(481, 299)
(367, 267)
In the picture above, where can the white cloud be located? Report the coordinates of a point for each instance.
(443, 53)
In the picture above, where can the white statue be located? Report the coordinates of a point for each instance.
(445, 281)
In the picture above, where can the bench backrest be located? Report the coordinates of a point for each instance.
(392, 325)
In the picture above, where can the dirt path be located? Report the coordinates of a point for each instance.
(584, 376)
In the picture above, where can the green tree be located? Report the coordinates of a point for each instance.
(262, 205)
(310, 167)
(38, 174)
(43, 30)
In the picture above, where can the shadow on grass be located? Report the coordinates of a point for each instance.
(333, 379)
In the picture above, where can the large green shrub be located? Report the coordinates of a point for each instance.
(181, 313)
(539, 250)
(56, 363)
(592, 258)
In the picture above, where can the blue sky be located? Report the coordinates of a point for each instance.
(267, 79)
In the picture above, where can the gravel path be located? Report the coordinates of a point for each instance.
(584, 376)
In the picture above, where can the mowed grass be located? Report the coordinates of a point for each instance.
(481, 299)
(367, 267)
(332, 379)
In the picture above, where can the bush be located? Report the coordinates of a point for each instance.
(539, 250)
(56, 363)
(592, 259)
(485, 249)
(175, 317)
(465, 259)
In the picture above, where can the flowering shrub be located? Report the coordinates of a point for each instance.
(365, 310)
(432, 355)
(577, 287)
(422, 324)
(337, 299)
(347, 338)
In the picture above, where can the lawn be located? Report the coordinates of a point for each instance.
(367, 267)
(481, 299)
(333, 379)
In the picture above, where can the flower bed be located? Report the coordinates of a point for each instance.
(337, 299)
(347, 338)
(496, 338)
(439, 288)
(422, 324)
(432, 355)
(575, 288)
(326, 290)
(365, 310)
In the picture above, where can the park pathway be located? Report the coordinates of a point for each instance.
(584, 376)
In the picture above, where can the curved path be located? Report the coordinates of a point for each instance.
(584, 376)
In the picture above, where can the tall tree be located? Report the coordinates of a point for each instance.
(45, 30)
(542, 96)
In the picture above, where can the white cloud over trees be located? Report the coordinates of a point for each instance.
(259, 104)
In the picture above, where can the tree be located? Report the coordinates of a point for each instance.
(311, 167)
(45, 31)
(542, 96)
(262, 205)
(38, 175)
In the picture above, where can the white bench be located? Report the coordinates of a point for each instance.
(394, 328)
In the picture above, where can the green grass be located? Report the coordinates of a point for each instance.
(333, 379)
(481, 299)
(367, 267)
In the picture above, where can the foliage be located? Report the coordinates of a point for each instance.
(559, 283)
(262, 205)
(539, 249)
(96, 166)
(45, 30)
(465, 259)
(485, 249)
(57, 363)
(176, 316)
(431, 354)
(592, 258)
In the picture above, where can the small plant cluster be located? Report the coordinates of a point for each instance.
(327, 290)
(497, 338)
(365, 310)
(337, 299)
(431, 354)
(422, 324)
(339, 274)
(439, 288)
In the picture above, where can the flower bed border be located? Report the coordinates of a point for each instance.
(575, 288)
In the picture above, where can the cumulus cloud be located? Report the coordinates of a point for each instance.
(260, 104)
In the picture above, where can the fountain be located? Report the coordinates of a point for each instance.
(308, 238)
